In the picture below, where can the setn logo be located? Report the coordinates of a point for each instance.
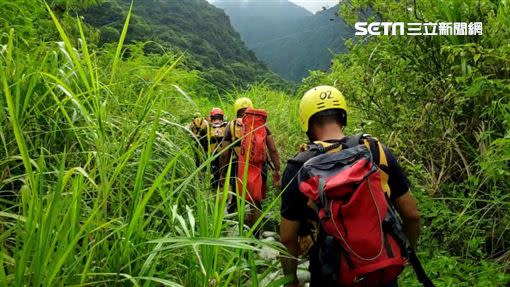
(417, 29)
(374, 28)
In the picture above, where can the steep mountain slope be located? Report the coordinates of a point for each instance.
(311, 47)
(194, 26)
(289, 39)
(259, 20)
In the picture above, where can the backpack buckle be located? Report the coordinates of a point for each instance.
(359, 279)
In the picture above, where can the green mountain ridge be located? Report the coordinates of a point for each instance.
(99, 181)
(289, 40)
(193, 26)
(257, 21)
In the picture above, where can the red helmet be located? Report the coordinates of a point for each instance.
(216, 112)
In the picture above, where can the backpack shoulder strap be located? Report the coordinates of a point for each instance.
(371, 143)
(354, 140)
(232, 130)
(304, 156)
(376, 148)
(312, 150)
(379, 157)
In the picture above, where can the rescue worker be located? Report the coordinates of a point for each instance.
(199, 128)
(233, 134)
(323, 115)
(216, 133)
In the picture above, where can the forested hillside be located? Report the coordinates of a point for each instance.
(102, 183)
(258, 21)
(192, 26)
(289, 39)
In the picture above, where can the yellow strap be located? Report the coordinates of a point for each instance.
(232, 131)
(233, 138)
(383, 161)
(367, 143)
(303, 147)
(382, 155)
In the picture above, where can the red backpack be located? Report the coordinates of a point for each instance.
(253, 153)
(347, 190)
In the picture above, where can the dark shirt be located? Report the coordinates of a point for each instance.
(294, 202)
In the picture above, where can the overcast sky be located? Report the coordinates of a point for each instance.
(312, 5)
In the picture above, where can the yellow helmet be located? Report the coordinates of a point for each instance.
(319, 99)
(242, 103)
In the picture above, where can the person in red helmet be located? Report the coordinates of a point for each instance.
(215, 135)
(217, 113)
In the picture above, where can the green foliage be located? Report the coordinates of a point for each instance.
(452, 271)
(98, 180)
(109, 34)
(197, 28)
(442, 104)
(29, 19)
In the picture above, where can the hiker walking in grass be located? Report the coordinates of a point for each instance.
(199, 128)
(252, 141)
(216, 133)
(341, 191)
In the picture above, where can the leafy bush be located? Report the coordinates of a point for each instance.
(442, 104)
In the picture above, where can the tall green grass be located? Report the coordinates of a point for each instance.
(441, 104)
(103, 171)
(99, 184)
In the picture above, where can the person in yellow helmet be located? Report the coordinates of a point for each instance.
(322, 116)
(234, 128)
(233, 134)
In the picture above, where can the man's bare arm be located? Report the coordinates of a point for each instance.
(273, 152)
(289, 237)
(408, 211)
(275, 159)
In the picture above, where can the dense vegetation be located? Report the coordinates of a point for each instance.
(98, 180)
(192, 26)
(442, 103)
(288, 38)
